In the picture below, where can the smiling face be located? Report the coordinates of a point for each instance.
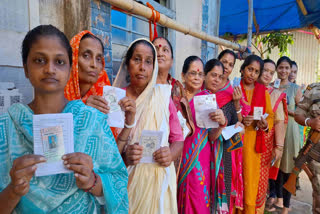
(47, 66)
(90, 60)
(267, 74)
(164, 54)
(283, 70)
(228, 61)
(251, 73)
(293, 74)
(195, 76)
(141, 66)
(214, 78)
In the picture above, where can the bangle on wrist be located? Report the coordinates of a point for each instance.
(130, 126)
(225, 123)
(238, 112)
(306, 121)
(266, 129)
(94, 183)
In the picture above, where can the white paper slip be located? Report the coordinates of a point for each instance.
(113, 95)
(229, 131)
(277, 83)
(257, 113)
(183, 124)
(204, 105)
(265, 115)
(52, 138)
(151, 141)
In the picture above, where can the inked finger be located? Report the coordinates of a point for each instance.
(27, 160)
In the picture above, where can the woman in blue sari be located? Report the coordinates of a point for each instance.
(99, 175)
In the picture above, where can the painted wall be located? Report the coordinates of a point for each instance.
(189, 13)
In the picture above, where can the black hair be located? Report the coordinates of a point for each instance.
(43, 31)
(250, 59)
(284, 59)
(188, 61)
(88, 35)
(294, 63)
(227, 51)
(211, 64)
(171, 49)
(130, 51)
(269, 61)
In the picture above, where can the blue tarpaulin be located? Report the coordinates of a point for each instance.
(271, 15)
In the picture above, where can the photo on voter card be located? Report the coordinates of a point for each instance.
(52, 143)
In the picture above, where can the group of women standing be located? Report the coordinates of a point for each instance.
(196, 172)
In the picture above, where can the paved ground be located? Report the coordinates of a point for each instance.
(301, 203)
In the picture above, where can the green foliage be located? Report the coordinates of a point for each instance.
(266, 43)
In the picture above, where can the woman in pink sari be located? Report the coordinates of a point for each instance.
(198, 187)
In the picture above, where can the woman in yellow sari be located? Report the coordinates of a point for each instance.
(152, 186)
(254, 144)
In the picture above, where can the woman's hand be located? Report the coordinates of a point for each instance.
(218, 117)
(277, 153)
(22, 171)
(163, 156)
(133, 154)
(82, 166)
(262, 124)
(238, 124)
(128, 105)
(237, 94)
(314, 123)
(247, 121)
(99, 103)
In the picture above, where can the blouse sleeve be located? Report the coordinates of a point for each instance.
(279, 114)
(175, 127)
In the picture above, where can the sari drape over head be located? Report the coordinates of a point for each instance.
(151, 188)
(59, 193)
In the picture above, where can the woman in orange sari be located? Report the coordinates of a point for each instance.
(254, 144)
(88, 77)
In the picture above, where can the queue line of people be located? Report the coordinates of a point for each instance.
(199, 173)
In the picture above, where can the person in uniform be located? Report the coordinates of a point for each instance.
(308, 114)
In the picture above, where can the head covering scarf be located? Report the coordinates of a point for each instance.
(72, 89)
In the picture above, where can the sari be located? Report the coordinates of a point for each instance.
(233, 154)
(280, 109)
(72, 89)
(201, 161)
(254, 145)
(59, 193)
(151, 187)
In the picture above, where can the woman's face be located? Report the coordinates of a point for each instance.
(164, 54)
(90, 61)
(267, 73)
(293, 74)
(141, 66)
(228, 63)
(214, 78)
(251, 73)
(195, 76)
(48, 66)
(283, 70)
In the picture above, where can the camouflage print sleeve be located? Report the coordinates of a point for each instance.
(303, 107)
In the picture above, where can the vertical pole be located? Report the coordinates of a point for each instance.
(250, 19)
(216, 9)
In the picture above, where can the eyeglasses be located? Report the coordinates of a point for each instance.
(194, 74)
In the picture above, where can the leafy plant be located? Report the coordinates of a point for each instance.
(265, 43)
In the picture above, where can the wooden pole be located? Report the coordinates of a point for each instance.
(141, 10)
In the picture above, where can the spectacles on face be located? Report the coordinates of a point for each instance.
(194, 74)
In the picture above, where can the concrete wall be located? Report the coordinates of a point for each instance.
(189, 13)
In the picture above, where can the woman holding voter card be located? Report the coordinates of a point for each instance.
(257, 125)
(275, 138)
(157, 139)
(198, 185)
(95, 178)
(88, 78)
